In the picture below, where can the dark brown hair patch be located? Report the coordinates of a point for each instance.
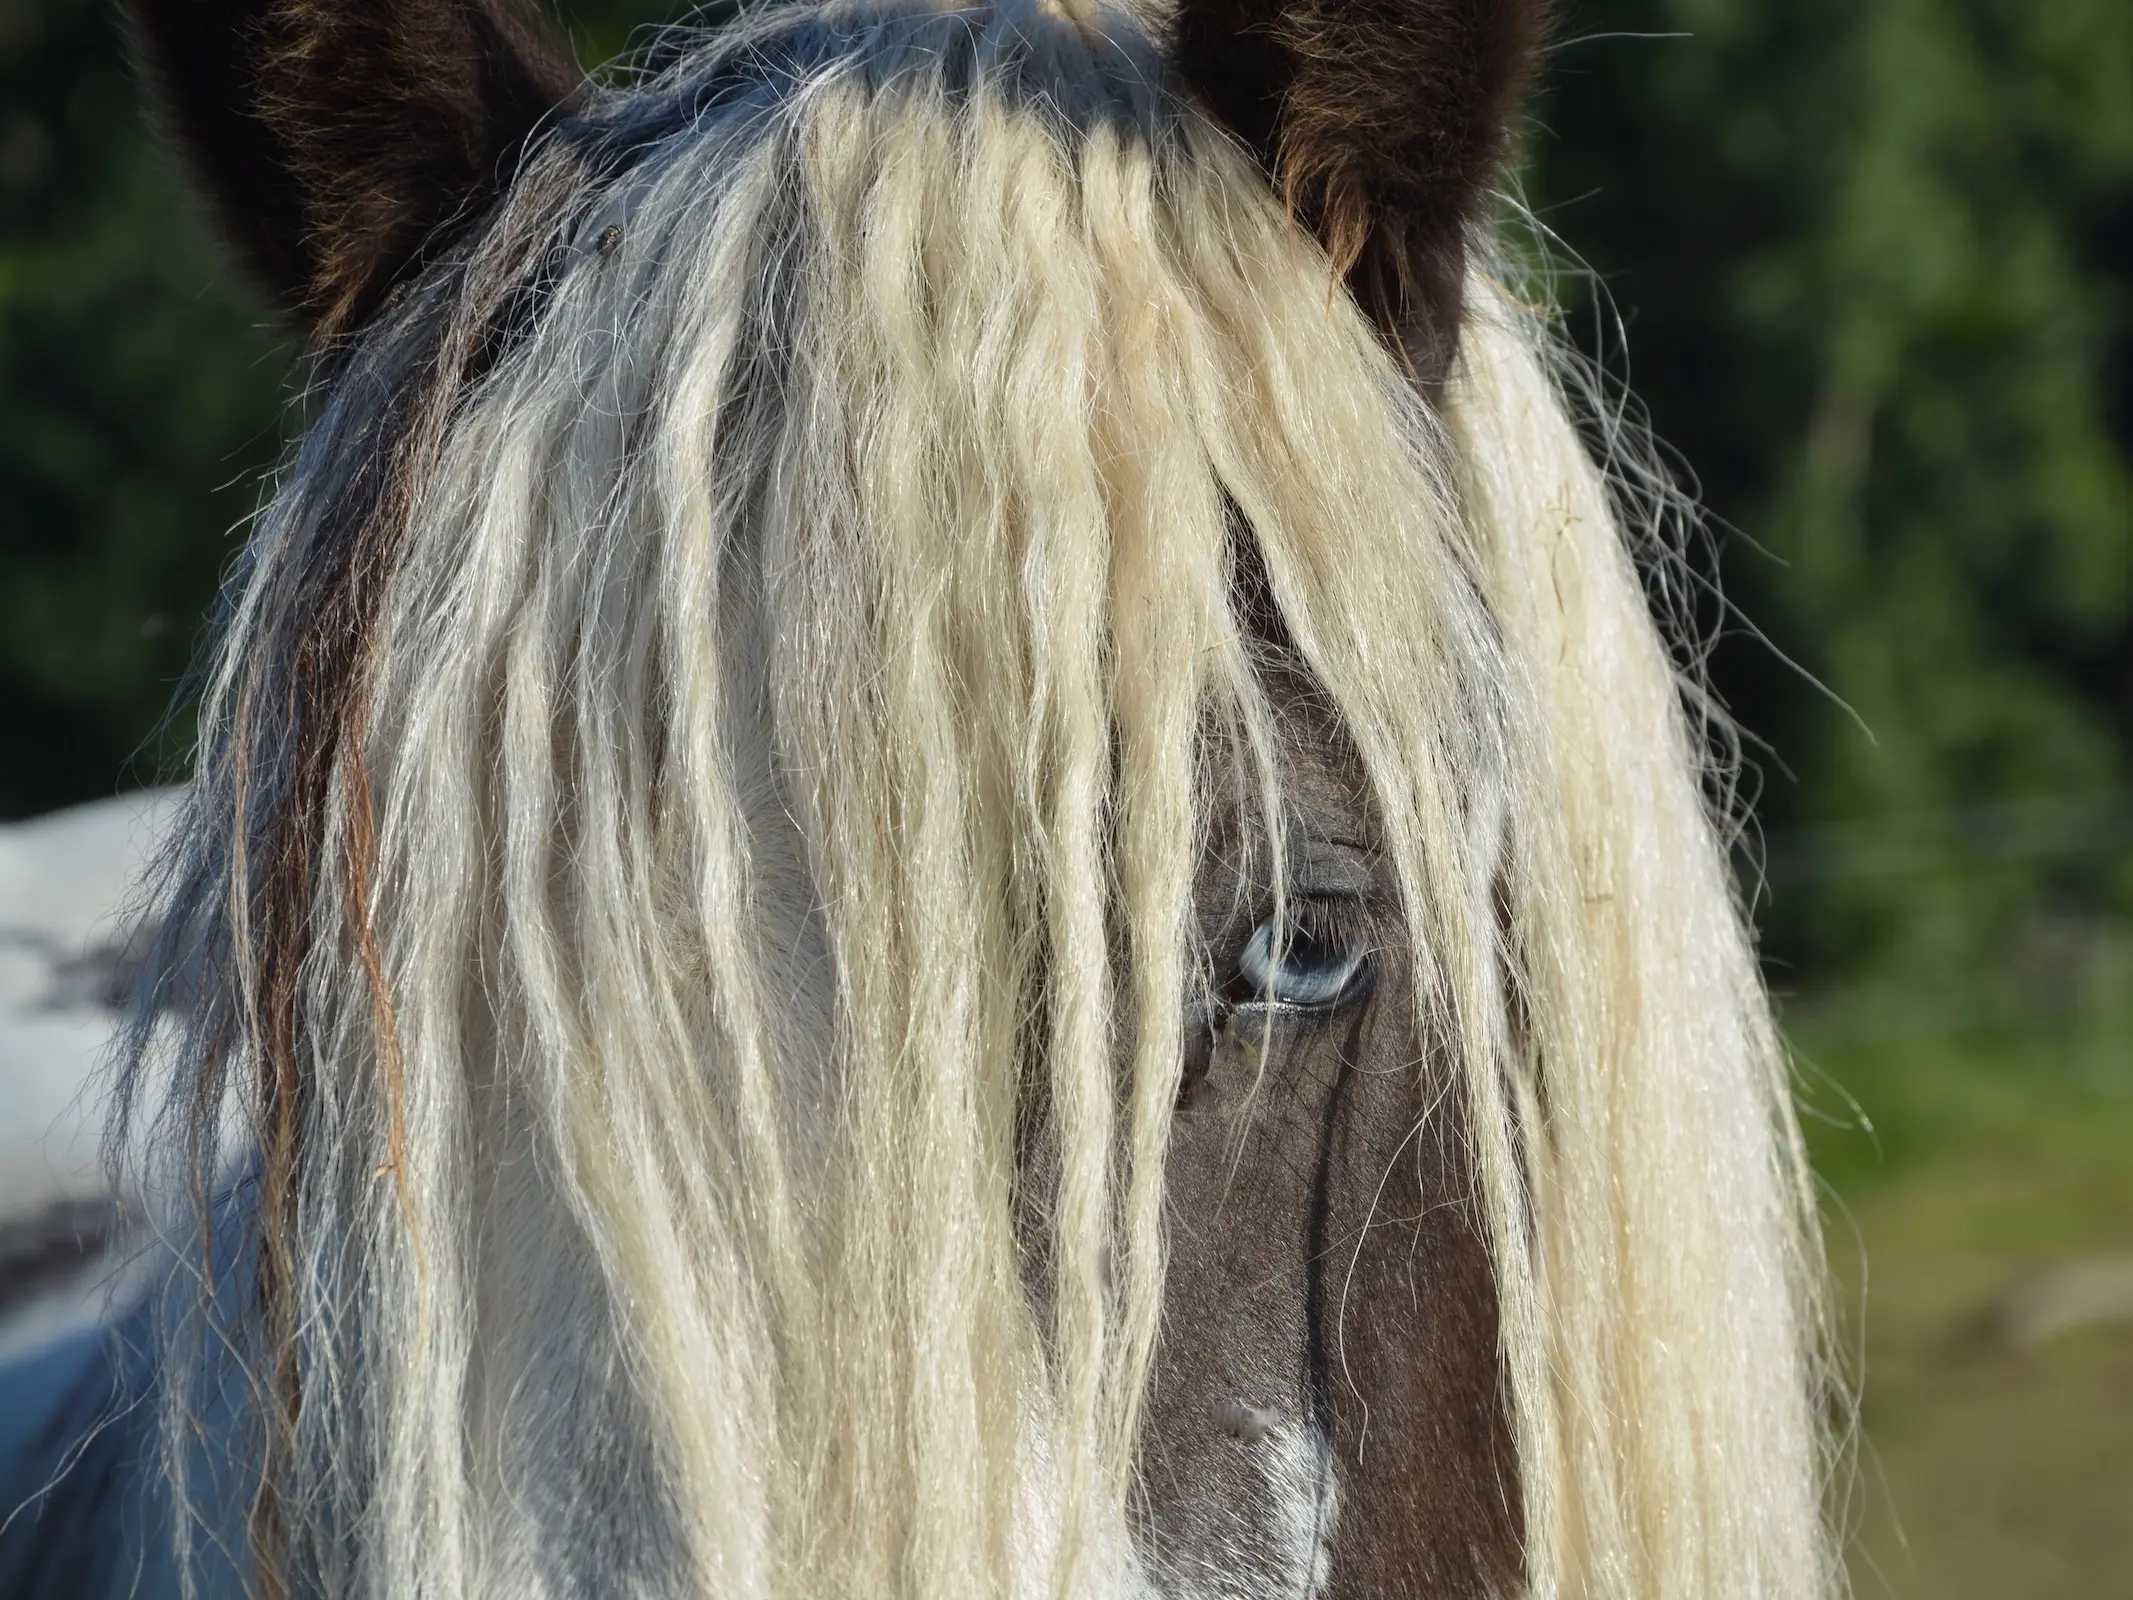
(337, 139)
(1382, 122)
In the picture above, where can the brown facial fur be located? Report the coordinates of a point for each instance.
(1382, 122)
(1326, 1262)
(336, 139)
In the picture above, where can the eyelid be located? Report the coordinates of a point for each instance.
(1331, 871)
(1341, 919)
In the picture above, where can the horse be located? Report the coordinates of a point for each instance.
(947, 840)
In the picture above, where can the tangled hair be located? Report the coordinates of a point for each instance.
(689, 871)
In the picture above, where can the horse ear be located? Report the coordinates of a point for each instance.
(1382, 122)
(336, 138)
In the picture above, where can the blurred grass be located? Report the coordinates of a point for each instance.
(1996, 1141)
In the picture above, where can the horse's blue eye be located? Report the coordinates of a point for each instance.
(1310, 966)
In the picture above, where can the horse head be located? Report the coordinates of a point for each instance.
(941, 846)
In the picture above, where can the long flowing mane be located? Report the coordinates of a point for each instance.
(687, 891)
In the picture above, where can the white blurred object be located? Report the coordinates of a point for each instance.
(69, 904)
(2062, 1298)
(68, 887)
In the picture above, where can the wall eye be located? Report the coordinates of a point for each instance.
(1318, 959)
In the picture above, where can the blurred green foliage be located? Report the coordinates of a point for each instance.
(1988, 1155)
(140, 393)
(1876, 262)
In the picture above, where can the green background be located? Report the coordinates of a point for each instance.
(1868, 264)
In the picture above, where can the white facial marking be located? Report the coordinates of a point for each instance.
(1301, 1474)
(1295, 1463)
(1246, 1422)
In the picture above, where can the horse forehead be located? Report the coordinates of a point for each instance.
(1037, 61)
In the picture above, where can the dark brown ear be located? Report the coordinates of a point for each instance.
(1382, 122)
(336, 138)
